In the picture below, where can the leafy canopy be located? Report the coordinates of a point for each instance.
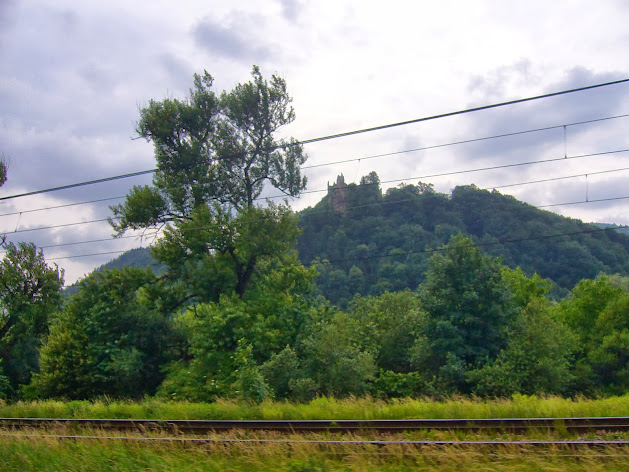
(29, 292)
(214, 149)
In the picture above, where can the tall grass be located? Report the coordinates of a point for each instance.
(519, 406)
(97, 456)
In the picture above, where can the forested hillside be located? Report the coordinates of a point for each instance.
(364, 241)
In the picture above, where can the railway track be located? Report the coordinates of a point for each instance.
(509, 425)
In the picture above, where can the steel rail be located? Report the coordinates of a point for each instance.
(295, 426)
(328, 442)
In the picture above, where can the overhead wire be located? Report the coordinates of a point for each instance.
(39, 228)
(467, 141)
(257, 220)
(345, 161)
(86, 255)
(413, 178)
(339, 135)
(65, 205)
(92, 241)
(479, 169)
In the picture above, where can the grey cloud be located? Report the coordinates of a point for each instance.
(571, 108)
(290, 9)
(232, 39)
(178, 70)
(491, 86)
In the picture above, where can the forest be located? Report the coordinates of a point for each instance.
(409, 293)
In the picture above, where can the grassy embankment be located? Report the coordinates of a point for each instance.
(326, 408)
(95, 456)
(47, 454)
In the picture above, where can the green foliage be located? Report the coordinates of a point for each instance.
(390, 324)
(537, 359)
(335, 358)
(3, 170)
(283, 374)
(390, 237)
(250, 383)
(596, 311)
(247, 152)
(230, 338)
(29, 292)
(214, 156)
(218, 252)
(108, 340)
(468, 309)
(398, 385)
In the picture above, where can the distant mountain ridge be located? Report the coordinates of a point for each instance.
(138, 257)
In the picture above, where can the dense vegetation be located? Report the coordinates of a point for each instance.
(405, 295)
(365, 242)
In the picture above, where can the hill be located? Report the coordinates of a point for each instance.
(372, 242)
(138, 257)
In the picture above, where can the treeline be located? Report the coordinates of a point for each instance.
(474, 326)
(365, 242)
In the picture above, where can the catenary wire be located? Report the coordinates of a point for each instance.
(91, 241)
(419, 178)
(62, 206)
(340, 135)
(58, 226)
(551, 179)
(467, 141)
(479, 169)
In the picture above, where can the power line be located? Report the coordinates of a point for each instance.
(479, 169)
(559, 178)
(414, 178)
(86, 255)
(57, 226)
(609, 199)
(341, 135)
(200, 228)
(462, 112)
(345, 161)
(91, 241)
(62, 206)
(80, 184)
(466, 141)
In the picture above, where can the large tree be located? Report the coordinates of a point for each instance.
(469, 308)
(214, 155)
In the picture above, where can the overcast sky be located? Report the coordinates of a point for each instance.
(73, 74)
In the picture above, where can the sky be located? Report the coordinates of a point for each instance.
(74, 74)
